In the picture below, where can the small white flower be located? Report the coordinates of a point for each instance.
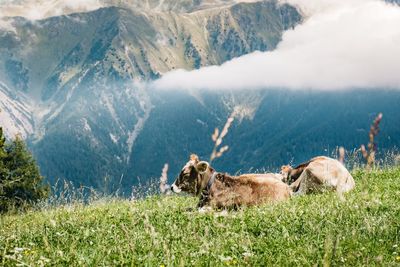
(18, 250)
(222, 258)
(247, 254)
(205, 209)
(53, 223)
(44, 259)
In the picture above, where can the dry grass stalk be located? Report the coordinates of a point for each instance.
(397, 160)
(341, 154)
(369, 152)
(218, 137)
(164, 187)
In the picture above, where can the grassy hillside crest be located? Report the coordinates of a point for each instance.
(360, 229)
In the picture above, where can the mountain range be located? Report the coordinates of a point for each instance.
(74, 86)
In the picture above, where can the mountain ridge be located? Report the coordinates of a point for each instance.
(77, 87)
(39, 9)
(83, 75)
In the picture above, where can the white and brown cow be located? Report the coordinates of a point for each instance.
(318, 175)
(219, 190)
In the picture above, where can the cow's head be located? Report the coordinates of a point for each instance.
(193, 177)
(285, 172)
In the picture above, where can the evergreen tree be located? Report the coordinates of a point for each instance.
(2, 146)
(22, 184)
(3, 171)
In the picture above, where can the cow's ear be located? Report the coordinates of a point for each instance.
(286, 168)
(194, 157)
(202, 166)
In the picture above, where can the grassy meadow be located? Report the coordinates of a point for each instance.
(361, 228)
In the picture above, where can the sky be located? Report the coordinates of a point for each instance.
(342, 44)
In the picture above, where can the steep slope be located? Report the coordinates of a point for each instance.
(81, 73)
(138, 43)
(73, 86)
(15, 113)
(286, 126)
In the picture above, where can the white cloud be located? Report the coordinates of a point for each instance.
(342, 44)
(40, 9)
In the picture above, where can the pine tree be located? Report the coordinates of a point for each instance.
(22, 184)
(3, 170)
(2, 144)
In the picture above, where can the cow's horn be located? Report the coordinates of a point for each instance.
(202, 166)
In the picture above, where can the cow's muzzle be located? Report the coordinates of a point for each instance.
(175, 189)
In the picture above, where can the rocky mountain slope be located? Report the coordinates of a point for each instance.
(71, 86)
(15, 112)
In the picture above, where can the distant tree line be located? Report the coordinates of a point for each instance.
(21, 184)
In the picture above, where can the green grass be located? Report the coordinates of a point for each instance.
(361, 229)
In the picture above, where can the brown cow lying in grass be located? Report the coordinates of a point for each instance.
(220, 190)
(318, 175)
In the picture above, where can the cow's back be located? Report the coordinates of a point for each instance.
(261, 188)
(270, 189)
(326, 173)
(248, 190)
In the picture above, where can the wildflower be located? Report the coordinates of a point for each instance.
(53, 223)
(247, 254)
(18, 250)
(225, 259)
(43, 261)
(398, 258)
